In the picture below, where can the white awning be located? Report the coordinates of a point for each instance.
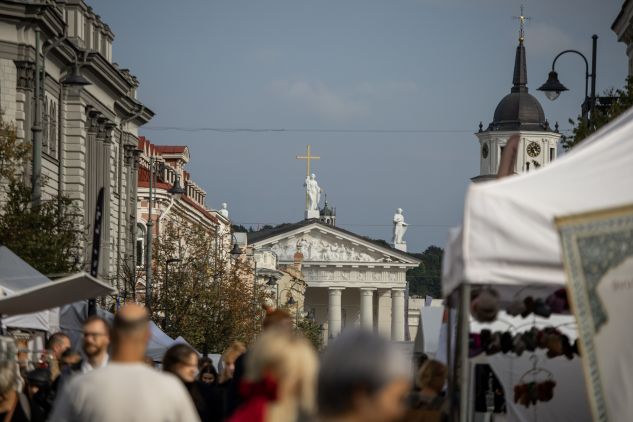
(509, 237)
(56, 293)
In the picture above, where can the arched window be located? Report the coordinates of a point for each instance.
(140, 245)
(45, 128)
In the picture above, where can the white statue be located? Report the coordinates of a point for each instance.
(224, 212)
(399, 227)
(314, 192)
(302, 246)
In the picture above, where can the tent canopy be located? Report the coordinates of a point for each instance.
(73, 315)
(17, 275)
(509, 237)
(53, 294)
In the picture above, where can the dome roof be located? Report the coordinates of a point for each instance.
(519, 110)
(327, 211)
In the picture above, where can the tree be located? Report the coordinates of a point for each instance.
(426, 279)
(622, 100)
(208, 297)
(312, 331)
(46, 236)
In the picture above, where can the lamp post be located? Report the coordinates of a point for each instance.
(291, 301)
(236, 252)
(176, 191)
(272, 282)
(72, 79)
(169, 261)
(553, 87)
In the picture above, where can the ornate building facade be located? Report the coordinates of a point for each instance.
(349, 279)
(89, 133)
(518, 112)
(169, 163)
(623, 28)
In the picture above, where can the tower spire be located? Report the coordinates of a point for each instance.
(519, 79)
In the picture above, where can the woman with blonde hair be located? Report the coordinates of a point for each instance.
(280, 379)
(230, 355)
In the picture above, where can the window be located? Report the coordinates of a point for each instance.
(140, 245)
(116, 169)
(527, 166)
(45, 127)
(552, 154)
(53, 130)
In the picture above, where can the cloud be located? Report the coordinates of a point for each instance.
(321, 99)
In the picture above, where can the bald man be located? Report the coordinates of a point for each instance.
(127, 389)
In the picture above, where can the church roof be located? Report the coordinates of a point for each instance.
(262, 235)
(519, 110)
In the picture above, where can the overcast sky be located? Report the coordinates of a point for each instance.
(435, 65)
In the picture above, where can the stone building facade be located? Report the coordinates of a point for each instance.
(349, 280)
(623, 28)
(89, 133)
(169, 170)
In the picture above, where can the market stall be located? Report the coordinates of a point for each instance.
(509, 246)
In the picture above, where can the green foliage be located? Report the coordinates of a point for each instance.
(207, 297)
(312, 331)
(426, 278)
(13, 154)
(622, 101)
(46, 236)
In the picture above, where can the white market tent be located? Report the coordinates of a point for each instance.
(509, 237)
(16, 275)
(73, 315)
(53, 294)
(509, 240)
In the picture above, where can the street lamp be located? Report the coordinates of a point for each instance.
(169, 261)
(73, 79)
(272, 282)
(176, 191)
(291, 301)
(553, 87)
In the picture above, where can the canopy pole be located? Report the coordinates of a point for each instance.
(464, 367)
(450, 358)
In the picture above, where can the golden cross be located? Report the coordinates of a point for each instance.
(308, 157)
(522, 20)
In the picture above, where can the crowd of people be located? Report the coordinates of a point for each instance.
(279, 377)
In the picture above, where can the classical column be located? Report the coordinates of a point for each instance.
(384, 312)
(367, 308)
(334, 311)
(397, 314)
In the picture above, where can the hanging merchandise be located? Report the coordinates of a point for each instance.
(530, 393)
(556, 303)
(550, 339)
(484, 305)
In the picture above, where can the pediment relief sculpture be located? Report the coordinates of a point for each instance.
(325, 249)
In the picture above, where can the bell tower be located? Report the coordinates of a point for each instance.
(518, 112)
(327, 214)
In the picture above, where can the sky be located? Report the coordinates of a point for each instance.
(350, 78)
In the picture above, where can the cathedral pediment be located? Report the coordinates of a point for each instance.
(324, 244)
